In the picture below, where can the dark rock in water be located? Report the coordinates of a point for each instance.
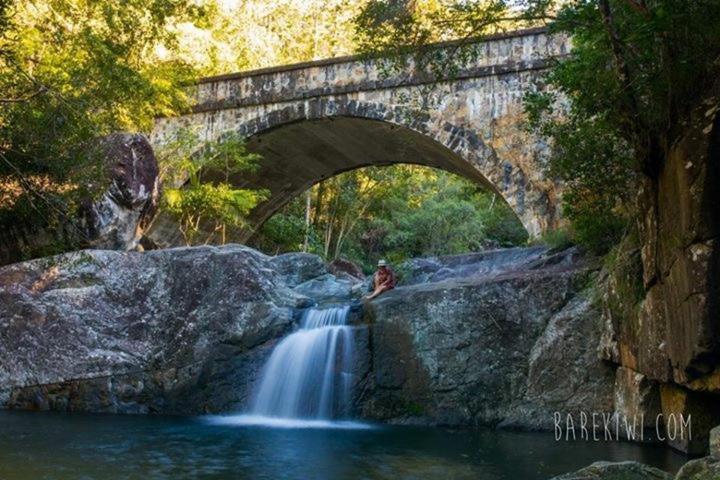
(714, 443)
(617, 471)
(707, 468)
(116, 221)
(508, 348)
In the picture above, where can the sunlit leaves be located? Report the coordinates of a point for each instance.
(74, 70)
(199, 191)
(393, 212)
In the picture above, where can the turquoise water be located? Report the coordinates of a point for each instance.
(80, 446)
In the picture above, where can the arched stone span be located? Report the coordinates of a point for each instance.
(300, 148)
(312, 121)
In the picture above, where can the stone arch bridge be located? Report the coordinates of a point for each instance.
(314, 120)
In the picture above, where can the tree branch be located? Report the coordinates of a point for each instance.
(40, 91)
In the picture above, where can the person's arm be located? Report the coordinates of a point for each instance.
(374, 283)
(390, 281)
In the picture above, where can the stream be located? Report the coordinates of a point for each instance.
(35, 445)
(298, 426)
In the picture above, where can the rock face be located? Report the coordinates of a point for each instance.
(617, 471)
(117, 219)
(187, 330)
(182, 331)
(508, 349)
(662, 296)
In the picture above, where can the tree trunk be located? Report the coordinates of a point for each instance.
(308, 205)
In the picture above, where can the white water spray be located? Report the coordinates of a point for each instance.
(307, 381)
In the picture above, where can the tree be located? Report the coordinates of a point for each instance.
(395, 212)
(71, 71)
(199, 193)
(638, 67)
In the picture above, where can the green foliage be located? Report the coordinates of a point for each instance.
(392, 212)
(71, 71)
(401, 31)
(558, 239)
(199, 192)
(596, 167)
(638, 67)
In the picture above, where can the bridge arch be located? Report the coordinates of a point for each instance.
(312, 121)
(323, 138)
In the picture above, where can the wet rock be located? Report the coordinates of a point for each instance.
(184, 330)
(459, 351)
(616, 471)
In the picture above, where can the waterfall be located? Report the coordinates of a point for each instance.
(307, 381)
(307, 375)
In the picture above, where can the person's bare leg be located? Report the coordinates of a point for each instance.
(378, 291)
(375, 293)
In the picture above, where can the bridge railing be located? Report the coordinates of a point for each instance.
(495, 55)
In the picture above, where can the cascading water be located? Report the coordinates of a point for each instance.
(308, 370)
(307, 381)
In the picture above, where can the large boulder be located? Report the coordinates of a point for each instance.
(182, 330)
(471, 350)
(565, 374)
(118, 218)
(127, 197)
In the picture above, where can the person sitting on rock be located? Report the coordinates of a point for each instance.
(383, 280)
